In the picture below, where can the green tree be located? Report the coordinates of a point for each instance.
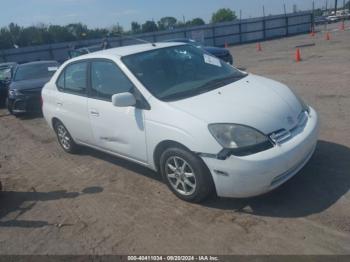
(135, 27)
(5, 38)
(166, 23)
(195, 22)
(60, 34)
(116, 30)
(78, 30)
(149, 26)
(223, 15)
(318, 12)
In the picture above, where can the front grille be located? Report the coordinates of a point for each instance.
(282, 135)
(31, 91)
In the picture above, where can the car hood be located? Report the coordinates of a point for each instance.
(253, 101)
(216, 50)
(29, 84)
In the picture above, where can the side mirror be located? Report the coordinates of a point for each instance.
(123, 99)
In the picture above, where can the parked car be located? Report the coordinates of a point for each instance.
(219, 52)
(203, 124)
(333, 19)
(24, 94)
(320, 20)
(6, 72)
(84, 50)
(89, 49)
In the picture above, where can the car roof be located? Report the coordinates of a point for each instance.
(183, 40)
(126, 50)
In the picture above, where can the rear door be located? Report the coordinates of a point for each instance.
(117, 129)
(71, 101)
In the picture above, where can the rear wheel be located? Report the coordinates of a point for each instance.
(65, 139)
(186, 175)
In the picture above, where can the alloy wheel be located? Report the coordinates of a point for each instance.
(180, 175)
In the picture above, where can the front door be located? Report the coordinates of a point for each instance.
(117, 129)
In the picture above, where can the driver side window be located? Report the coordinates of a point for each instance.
(107, 79)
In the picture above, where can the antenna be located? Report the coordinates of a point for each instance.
(135, 38)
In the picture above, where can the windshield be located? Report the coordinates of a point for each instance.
(180, 72)
(35, 71)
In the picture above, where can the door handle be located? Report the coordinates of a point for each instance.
(94, 112)
(59, 103)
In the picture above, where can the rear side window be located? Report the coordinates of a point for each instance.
(107, 79)
(74, 79)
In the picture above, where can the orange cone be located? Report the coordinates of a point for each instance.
(328, 36)
(297, 55)
(258, 47)
(312, 33)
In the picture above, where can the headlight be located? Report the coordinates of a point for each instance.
(232, 136)
(304, 106)
(14, 92)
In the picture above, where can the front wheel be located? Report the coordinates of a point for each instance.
(186, 175)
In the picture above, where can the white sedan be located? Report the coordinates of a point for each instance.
(206, 126)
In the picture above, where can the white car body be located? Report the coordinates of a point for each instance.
(134, 134)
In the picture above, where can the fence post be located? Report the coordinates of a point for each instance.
(51, 52)
(240, 31)
(214, 37)
(287, 25)
(264, 28)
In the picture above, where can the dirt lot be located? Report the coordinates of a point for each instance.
(92, 203)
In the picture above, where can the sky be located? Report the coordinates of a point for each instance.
(105, 13)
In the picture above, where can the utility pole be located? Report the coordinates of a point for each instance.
(313, 17)
(284, 8)
(335, 7)
(263, 8)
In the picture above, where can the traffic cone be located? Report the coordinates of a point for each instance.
(328, 36)
(226, 45)
(297, 55)
(258, 47)
(312, 33)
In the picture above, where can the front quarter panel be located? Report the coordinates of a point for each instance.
(165, 123)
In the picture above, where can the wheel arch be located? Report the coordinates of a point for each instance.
(163, 145)
(55, 120)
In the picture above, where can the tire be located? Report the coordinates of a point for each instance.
(65, 139)
(190, 180)
(9, 107)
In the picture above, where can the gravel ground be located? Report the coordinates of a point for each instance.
(92, 203)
